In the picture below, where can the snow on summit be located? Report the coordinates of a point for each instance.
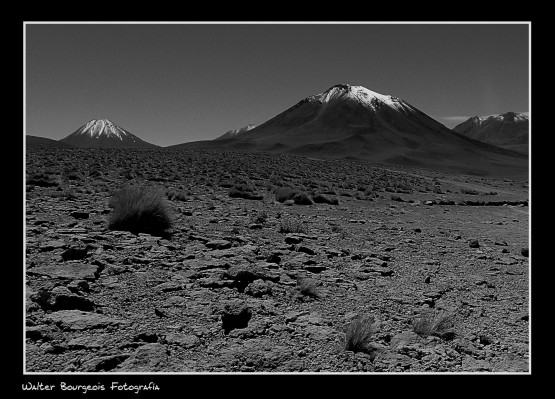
(103, 133)
(358, 93)
(103, 127)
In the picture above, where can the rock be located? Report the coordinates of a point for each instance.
(512, 365)
(306, 250)
(89, 342)
(80, 215)
(259, 288)
(474, 243)
(168, 286)
(146, 337)
(72, 271)
(524, 252)
(42, 332)
(52, 245)
(274, 258)
(218, 244)
(404, 339)
(78, 286)
(79, 320)
(175, 300)
(315, 268)
(243, 275)
(148, 358)
(475, 365)
(235, 314)
(388, 360)
(75, 253)
(60, 298)
(186, 341)
(293, 239)
(103, 363)
(384, 271)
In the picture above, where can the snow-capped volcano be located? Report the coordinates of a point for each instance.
(103, 133)
(509, 130)
(103, 127)
(348, 121)
(235, 132)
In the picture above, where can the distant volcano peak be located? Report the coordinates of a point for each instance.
(359, 94)
(103, 133)
(99, 127)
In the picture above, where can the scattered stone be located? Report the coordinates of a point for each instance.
(274, 258)
(293, 239)
(259, 288)
(146, 337)
(186, 341)
(80, 215)
(168, 286)
(74, 254)
(218, 244)
(79, 320)
(103, 363)
(236, 314)
(88, 342)
(52, 245)
(72, 271)
(60, 298)
(524, 252)
(474, 243)
(148, 358)
(306, 250)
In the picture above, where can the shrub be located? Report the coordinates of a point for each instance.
(292, 226)
(324, 199)
(308, 287)
(469, 191)
(435, 323)
(44, 180)
(297, 196)
(244, 191)
(176, 195)
(139, 210)
(359, 334)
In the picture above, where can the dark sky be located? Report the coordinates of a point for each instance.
(174, 83)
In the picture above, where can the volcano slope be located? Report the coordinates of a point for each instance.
(354, 122)
(257, 285)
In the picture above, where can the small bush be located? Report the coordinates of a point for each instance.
(435, 323)
(139, 210)
(261, 217)
(297, 196)
(324, 199)
(308, 287)
(359, 334)
(244, 191)
(44, 180)
(292, 226)
(469, 191)
(176, 195)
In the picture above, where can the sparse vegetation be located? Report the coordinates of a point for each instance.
(139, 210)
(308, 287)
(292, 226)
(435, 323)
(176, 195)
(359, 334)
(297, 196)
(244, 191)
(324, 199)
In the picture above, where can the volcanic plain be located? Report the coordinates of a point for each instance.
(259, 285)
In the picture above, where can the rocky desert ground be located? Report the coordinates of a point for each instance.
(258, 285)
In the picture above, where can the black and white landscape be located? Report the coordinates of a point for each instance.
(352, 232)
